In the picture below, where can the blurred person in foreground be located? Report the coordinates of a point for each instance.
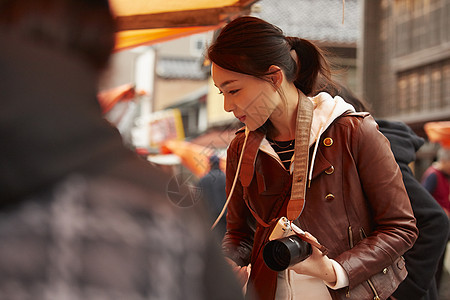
(81, 216)
(422, 258)
(436, 180)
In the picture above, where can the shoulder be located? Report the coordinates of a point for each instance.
(358, 122)
(354, 117)
(360, 131)
(430, 171)
(430, 175)
(110, 222)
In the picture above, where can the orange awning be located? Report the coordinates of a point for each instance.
(145, 22)
(109, 98)
(134, 38)
(193, 156)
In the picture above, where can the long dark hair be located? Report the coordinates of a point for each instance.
(83, 27)
(250, 45)
(358, 103)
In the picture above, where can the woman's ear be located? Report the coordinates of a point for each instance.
(275, 75)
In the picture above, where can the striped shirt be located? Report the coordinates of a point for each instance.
(285, 150)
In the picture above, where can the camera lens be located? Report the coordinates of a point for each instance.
(282, 253)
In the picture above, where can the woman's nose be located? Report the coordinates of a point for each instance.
(228, 105)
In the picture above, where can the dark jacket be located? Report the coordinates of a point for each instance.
(422, 259)
(81, 216)
(212, 187)
(354, 184)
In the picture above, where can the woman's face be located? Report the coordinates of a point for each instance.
(252, 100)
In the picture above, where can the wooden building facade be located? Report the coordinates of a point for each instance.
(405, 60)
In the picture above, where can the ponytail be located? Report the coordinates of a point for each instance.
(313, 71)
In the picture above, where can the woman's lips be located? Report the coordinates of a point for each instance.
(242, 118)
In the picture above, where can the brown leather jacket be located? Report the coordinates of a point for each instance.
(356, 189)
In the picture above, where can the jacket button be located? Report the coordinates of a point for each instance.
(329, 171)
(328, 141)
(385, 270)
(329, 197)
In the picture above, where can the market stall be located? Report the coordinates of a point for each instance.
(145, 22)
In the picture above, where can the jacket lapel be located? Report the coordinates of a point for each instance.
(320, 165)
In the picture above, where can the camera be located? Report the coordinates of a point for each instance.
(285, 248)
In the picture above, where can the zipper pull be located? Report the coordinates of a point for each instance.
(350, 236)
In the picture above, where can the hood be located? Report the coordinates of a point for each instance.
(404, 142)
(50, 120)
(326, 110)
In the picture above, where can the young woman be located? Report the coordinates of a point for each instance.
(356, 204)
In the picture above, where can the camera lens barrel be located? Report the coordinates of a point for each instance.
(282, 253)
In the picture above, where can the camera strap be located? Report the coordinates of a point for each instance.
(301, 157)
(309, 239)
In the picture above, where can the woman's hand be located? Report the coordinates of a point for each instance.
(316, 265)
(242, 273)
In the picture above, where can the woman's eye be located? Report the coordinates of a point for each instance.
(232, 92)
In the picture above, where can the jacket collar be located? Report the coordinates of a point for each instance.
(326, 110)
